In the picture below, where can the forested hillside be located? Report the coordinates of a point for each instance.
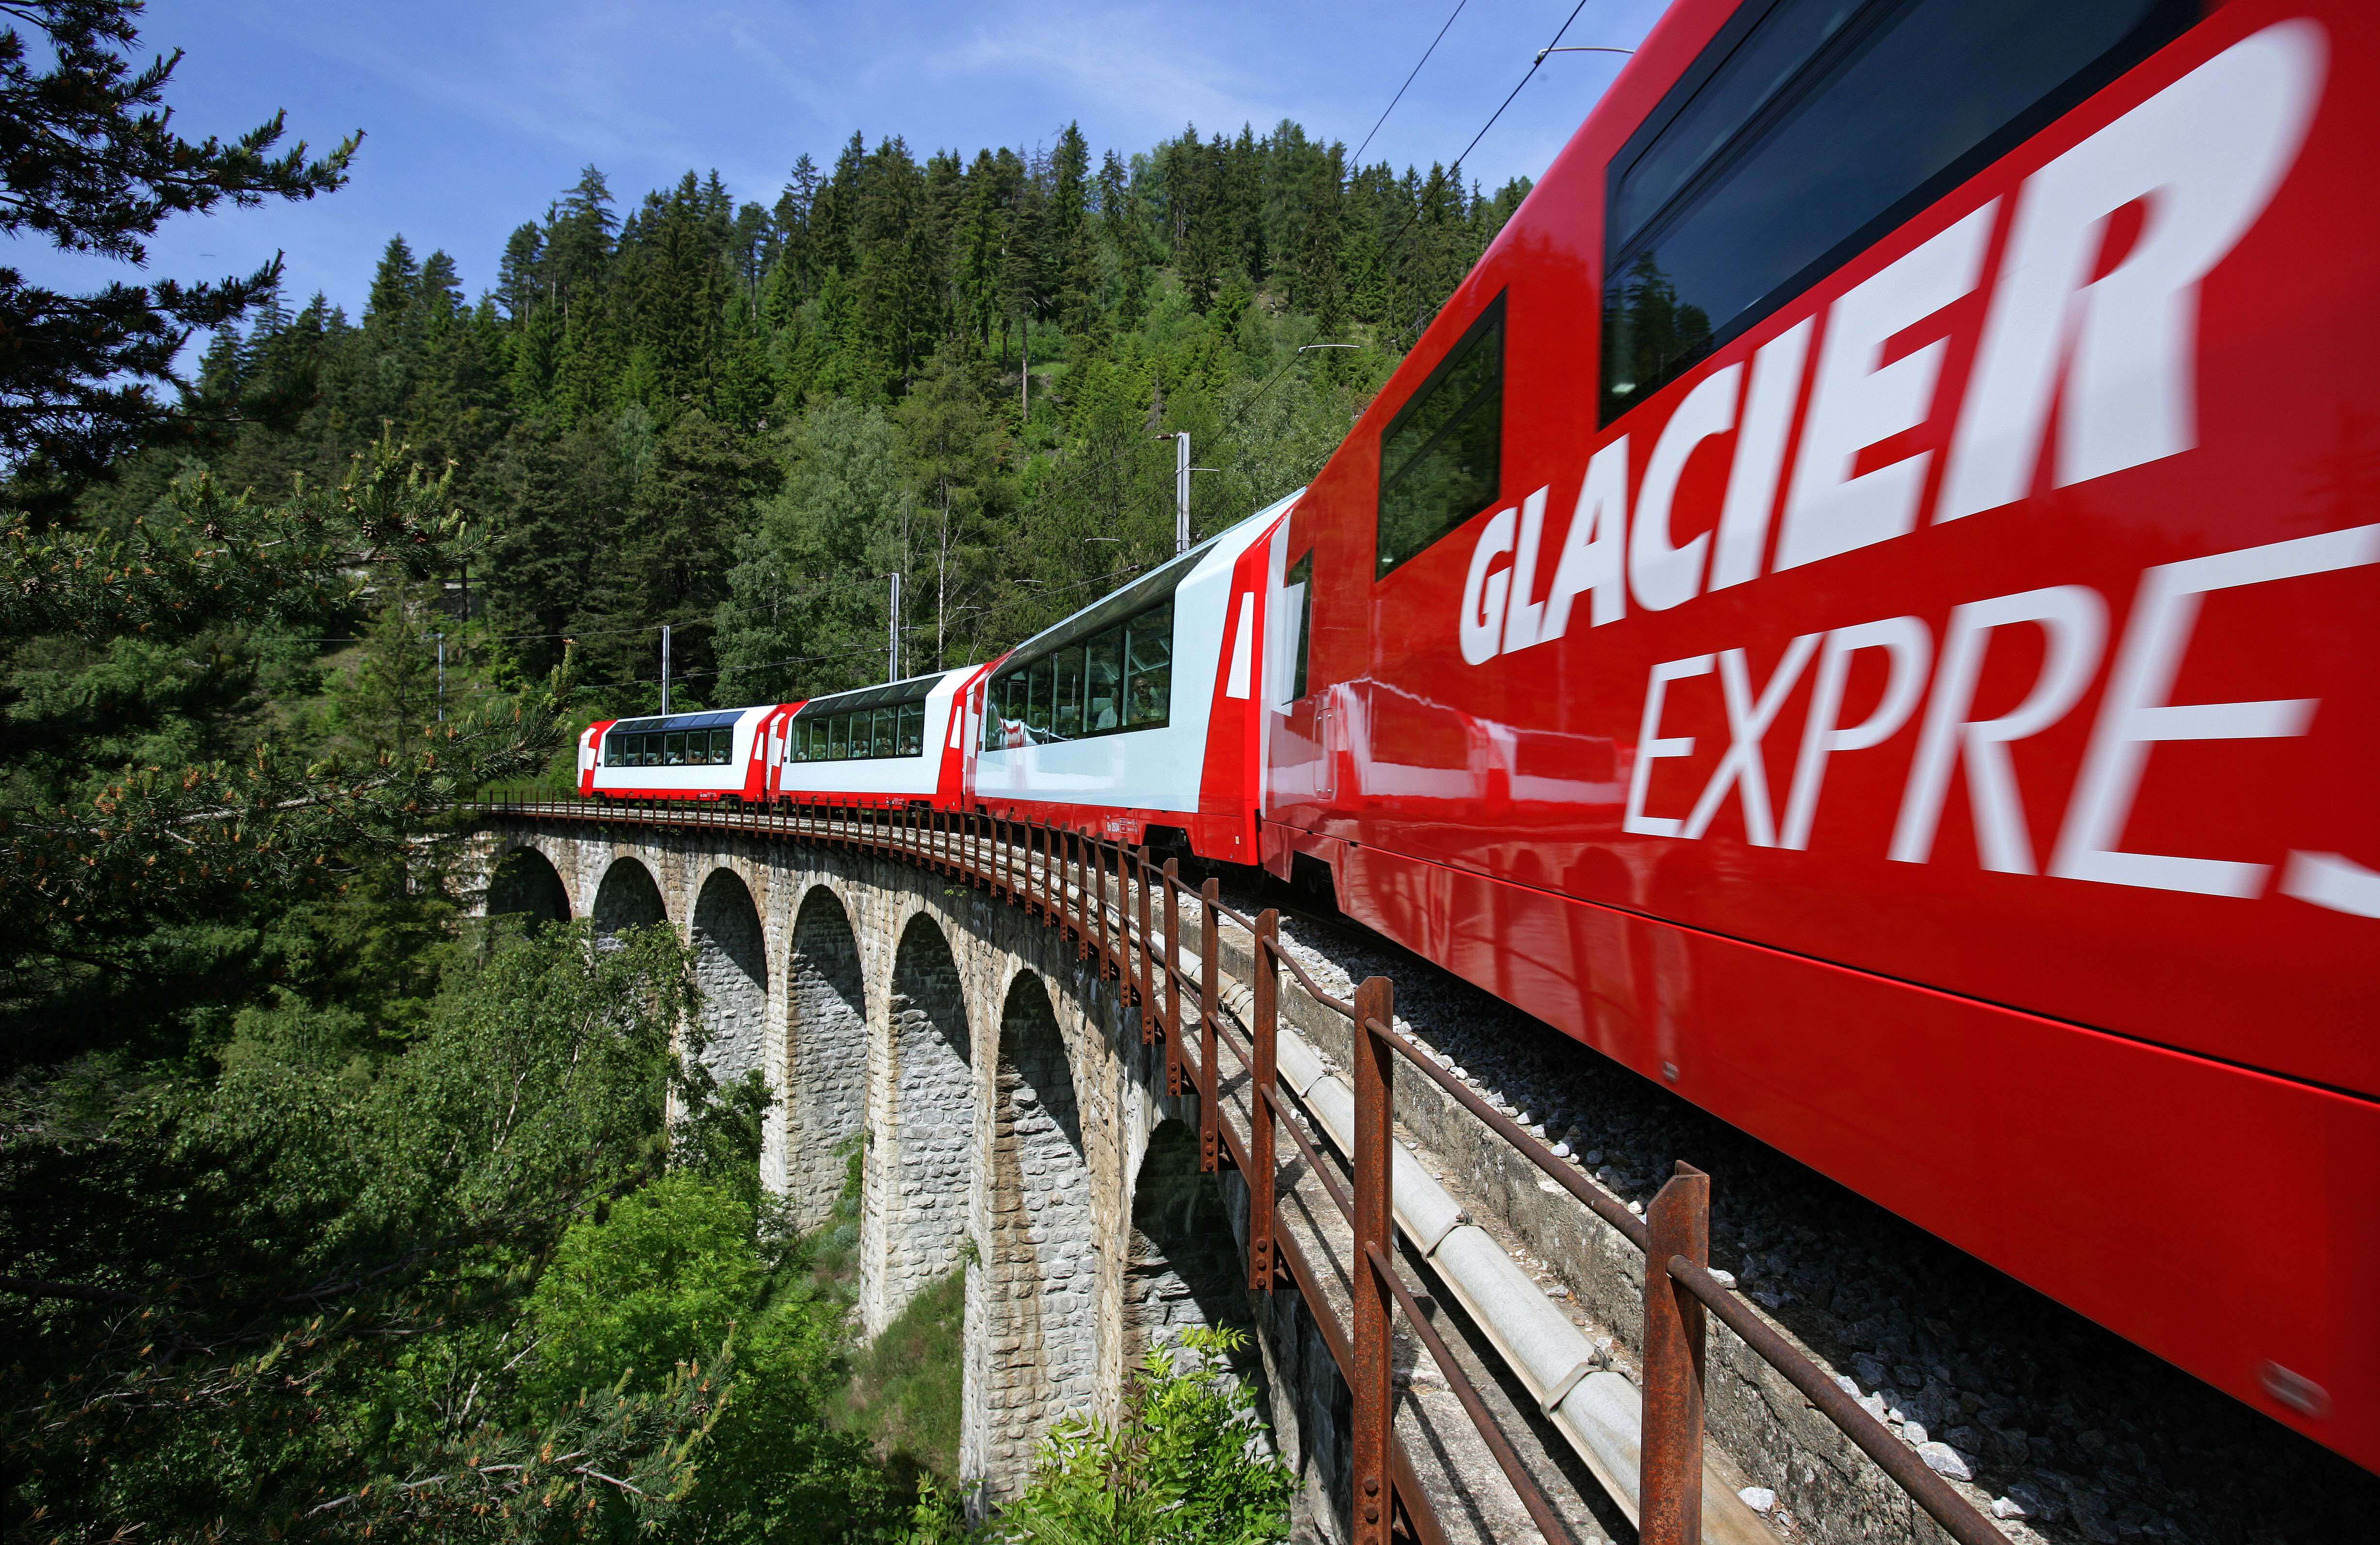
(738, 419)
(328, 1211)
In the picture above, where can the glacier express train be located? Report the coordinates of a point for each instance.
(1859, 608)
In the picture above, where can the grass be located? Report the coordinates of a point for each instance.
(900, 1391)
(904, 1392)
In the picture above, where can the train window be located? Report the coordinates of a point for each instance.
(674, 749)
(1038, 680)
(723, 747)
(612, 751)
(1066, 718)
(653, 750)
(1809, 128)
(1300, 578)
(1441, 456)
(1103, 672)
(913, 729)
(1149, 640)
(838, 738)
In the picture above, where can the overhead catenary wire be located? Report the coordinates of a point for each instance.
(1357, 158)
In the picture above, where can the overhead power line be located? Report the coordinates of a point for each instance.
(1357, 159)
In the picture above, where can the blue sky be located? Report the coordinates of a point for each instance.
(478, 115)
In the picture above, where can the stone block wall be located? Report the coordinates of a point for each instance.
(1011, 1111)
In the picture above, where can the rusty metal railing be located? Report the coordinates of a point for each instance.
(1126, 913)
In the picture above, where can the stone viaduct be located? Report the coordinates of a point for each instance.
(1012, 1124)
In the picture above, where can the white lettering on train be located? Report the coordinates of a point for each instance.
(1661, 575)
(2073, 620)
(2204, 157)
(1855, 402)
(1760, 442)
(1652, 747)
(1909, 649)
(2114, 356)
(2135, 715)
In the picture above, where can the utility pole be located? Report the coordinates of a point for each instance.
(441, 678)
(1182, 491)
(892, 634)
(666, 641)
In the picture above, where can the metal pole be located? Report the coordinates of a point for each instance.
(1209, 1002)
(665, 643)
(1670, 1481)
(441, 678)
(892, 638)
(1182, 491)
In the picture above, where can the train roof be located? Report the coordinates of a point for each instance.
(1154, 585)
(910, 689)
(713, 719)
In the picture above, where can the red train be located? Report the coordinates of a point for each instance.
(1861, 608)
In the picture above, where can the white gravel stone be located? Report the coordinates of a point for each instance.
(1724, 1279)
(1913, 1432)
(2008, 1507)
(1760, 1499)
(1944, 1460)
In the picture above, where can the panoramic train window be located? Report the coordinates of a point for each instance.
(1442, 456)
(875, 722)
(1148, 649)
(1067, 720)
(686, 740)
(1806, 131)
(1120, 677)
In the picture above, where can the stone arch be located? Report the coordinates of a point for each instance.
(627, 898)
(1183, 1268)
(731, 965)
(922, 1138)
(525, 882)
(823, 1103)
(1039, 1294)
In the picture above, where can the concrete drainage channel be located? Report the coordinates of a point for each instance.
(2065, 1433)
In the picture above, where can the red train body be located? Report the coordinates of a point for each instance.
(1928, 718)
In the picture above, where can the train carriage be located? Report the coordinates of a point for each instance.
(903, 743)
(1860, 608)
(1141, 714)
(720, 754)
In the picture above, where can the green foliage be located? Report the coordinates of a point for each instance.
(93, 165)
(1189, 1464)
(904, 1387)
(673, 1275)
(329, 1215)
(237, 1295)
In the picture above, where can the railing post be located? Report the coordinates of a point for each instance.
(1148, 982)
(1173, 885)
(1375, 1240)
(1097, 851)
(1670, 1486)
(1209, 1005)
(1260, 1102)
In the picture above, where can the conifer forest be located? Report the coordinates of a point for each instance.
(328, 1211)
